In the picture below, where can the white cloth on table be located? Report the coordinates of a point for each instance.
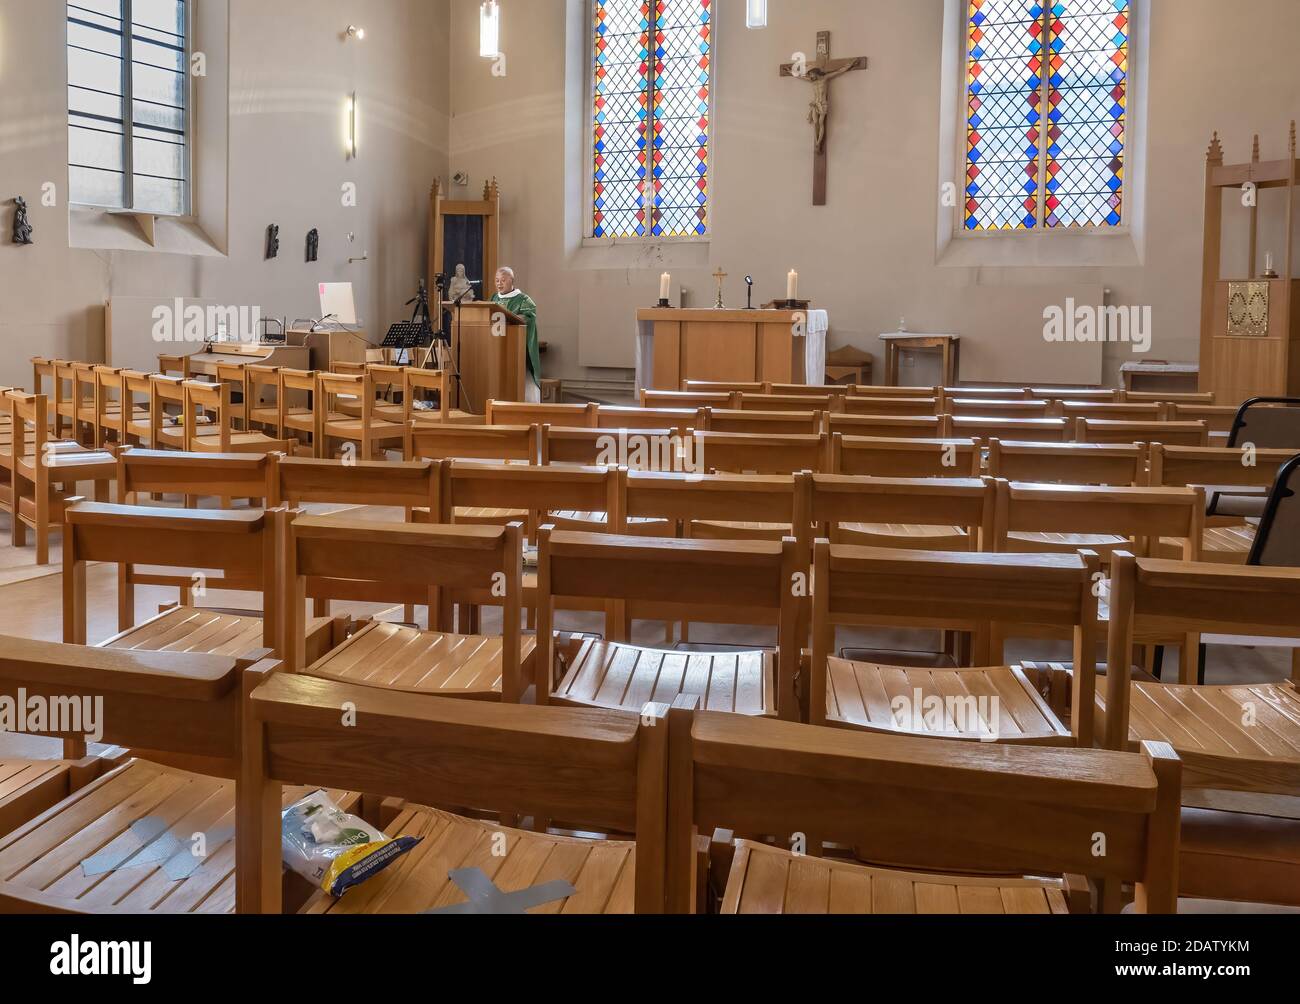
(817, 329)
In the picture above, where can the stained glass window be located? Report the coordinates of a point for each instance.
(1047, 107)
(651, 64)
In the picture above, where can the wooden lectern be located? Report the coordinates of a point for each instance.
(490, 345)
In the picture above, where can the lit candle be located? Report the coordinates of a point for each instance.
(792, 286)
(665, 285)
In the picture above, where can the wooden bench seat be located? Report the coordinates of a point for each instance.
(29, 787)
(608, 675)
(122, 844)
(423, 662)
(602, 871)
(1220, 545)
(771, 880)
(215, 632)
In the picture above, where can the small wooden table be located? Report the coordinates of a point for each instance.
(1154, 377)
(949, 346)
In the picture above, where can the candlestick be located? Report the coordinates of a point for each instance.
(792, 286)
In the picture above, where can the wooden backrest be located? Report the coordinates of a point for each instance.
(904, 458)
(687, 399)
(1166, 397)
(1034, 430)
(861, 390)
(605, 769)
(358, 386)
(1142, 514)
(209, 399)
(42, 370)
(407, 558)
(680, 420)
(684, 499)
(1094, 430)
(1075, 394)
(790, 402)
(174, 365)
(537, 490)
(109, 390)
(1114, 411)
(303, 381)
(640, 449)
(1170, 597)
(261, 379)
(835, 500)
(297, 482)
(418, 381)
(1177, 466)
(703, 579)
(924, 804)
(165, 392)
(210, 475)
(891, 426)
(237, 377)
(1218, 418)
(976, 407)
(765, 423)
(917, 406)
(855, 585)
(731, 453)
(572, 416)
(805, 390)
(1068, 463)
(166, 702)
(474, 442)
(721, 387)
(240, 545)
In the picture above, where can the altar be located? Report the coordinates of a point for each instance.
(730, 346)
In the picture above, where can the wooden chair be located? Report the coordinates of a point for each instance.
(729, 453)
(952, 814)
(1230, 477)
(706, 581)
(115, 410)
(689, 399)
(1033, 430)
(69, 401)
(929, 513)
(481, 494)
(137, 409)
(499, 443)
(299, 400)
(1118, 411)
(406, 560)
(218, 435)
(791, 402)
(605, 769)
(989, 408)
(235, 377)
(904, 458)
(264, 398)
(560, 416)
(714, 507)
(419, 385)
(168, 422)
(764, 423)
(890, 426)
(368, 431)
(980, 593)
(1097, 430)
(899, 406)
(1069, 463)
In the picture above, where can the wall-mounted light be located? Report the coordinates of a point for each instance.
(755, 13)
(350, 125)
(358, 33)
(489, 38)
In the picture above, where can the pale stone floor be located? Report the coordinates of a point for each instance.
(31, 607)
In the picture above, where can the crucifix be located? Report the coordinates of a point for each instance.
(820, 72)
(719, 277)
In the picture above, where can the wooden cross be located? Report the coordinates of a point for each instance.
(820, 72)
(718, 277)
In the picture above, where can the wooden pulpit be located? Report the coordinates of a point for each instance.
(490, 345)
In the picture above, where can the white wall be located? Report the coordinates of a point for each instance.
(870, 255)
(289, 74)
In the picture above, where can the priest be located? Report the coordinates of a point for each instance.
(521, 304)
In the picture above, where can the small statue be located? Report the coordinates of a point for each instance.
(273, 241)
(22, 229)
(313, 245)
(460, 286)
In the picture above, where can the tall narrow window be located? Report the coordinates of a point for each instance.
(1047, 105)
(651, 92)
(128, 99)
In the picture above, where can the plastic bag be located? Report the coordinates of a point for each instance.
(334, 850)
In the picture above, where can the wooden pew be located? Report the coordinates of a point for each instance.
(989, 408)
(606, 769)
(952, 813)
(196, 476)
(904, 458)
(1217, 418)
(1117, 411)
(689, 399)
(501, 443)
(1069, 463)
(899, 406)
(980, 592)
(890, 426)
(1085, 394)
(707, 581)
(729, 453)
(1094, 430)
(764, 423)
(639, 449)
(1166, 397)
(680, 420)
(921, 392)
(79, 856)
(1034, 430)
(722, 387)
(568, 416)
(791, 402)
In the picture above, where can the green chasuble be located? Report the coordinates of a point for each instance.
(521, 305)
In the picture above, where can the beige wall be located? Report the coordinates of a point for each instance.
(289, 74)
(870, 256)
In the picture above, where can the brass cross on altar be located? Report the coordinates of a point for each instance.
(820, 73)
(718, 277)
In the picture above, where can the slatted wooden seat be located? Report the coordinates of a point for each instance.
(401, 560)
(771, 880)
(942, 813)
(607, 770)
(29, 787)
(721, 582)
(1217, 418)
(991, 703)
